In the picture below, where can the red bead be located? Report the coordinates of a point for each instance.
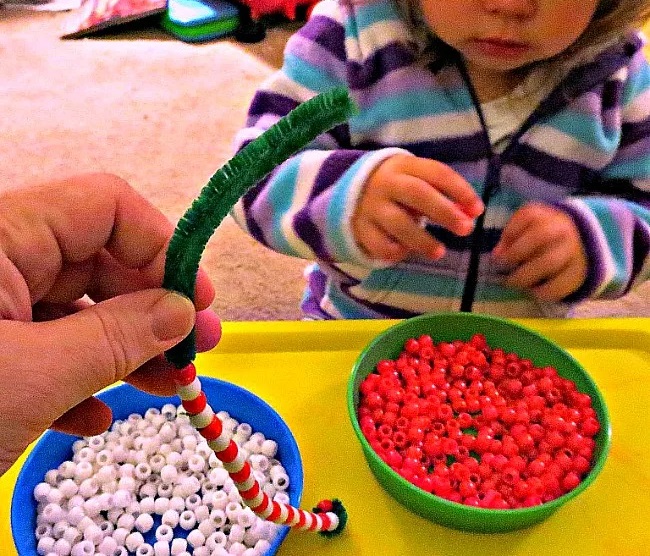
(570, 481)
(195, 406)
(185, 376)
(213, 430)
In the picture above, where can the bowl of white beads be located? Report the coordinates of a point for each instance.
(151, 486)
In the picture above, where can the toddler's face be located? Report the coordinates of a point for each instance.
(503, 35)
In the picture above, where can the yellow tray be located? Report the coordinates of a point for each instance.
(302, 368)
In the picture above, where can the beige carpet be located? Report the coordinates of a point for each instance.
(162, 114)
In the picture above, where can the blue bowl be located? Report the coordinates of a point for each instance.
(53, 448)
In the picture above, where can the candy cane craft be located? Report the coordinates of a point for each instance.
(251, 164)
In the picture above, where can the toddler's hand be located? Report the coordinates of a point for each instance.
(402, 190)
(542, 248)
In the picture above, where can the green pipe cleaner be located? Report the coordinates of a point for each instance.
(251, 164)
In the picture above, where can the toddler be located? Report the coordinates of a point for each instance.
(500, 161)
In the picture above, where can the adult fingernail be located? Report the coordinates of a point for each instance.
(172, 317)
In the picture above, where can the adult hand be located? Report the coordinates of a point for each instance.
(402, 190)
(81, 307)
(542, 248)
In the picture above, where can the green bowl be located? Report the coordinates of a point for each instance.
(501, 333)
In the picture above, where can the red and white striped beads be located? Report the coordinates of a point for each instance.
(208, 424)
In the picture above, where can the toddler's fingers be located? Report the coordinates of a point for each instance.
(545, 266)
(420, 198)
(560, 286)
(449, 182)
(379, 245)
(403, 228)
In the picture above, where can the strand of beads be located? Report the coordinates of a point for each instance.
(327, 518)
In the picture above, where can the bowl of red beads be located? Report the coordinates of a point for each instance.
(476, 422)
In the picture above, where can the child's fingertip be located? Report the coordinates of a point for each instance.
(438, 252)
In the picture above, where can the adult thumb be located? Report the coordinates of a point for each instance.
(104, 343)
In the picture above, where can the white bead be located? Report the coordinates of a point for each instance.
(201, 551)
(133, 508)
(45, 545)
(218, 517)
(187, 520)
(84, 470)
(161, 505)
(260, 462)
(236, 533)
(120, 534)
(170, 517)
(41, 490)
(84, 548)
(67, 469)
(62, 548)
(220, 551)
(202, 512)
(93, 534)
(107, 528)
(127, 483)
(161, 548)
(165, 533)
(96, 442)
(168, 411)
(262, 546)
(196, 463)
(122, 498)
(133, 541)
(244, 430)
(126, 521)
(177, 503)
(269, 448)
(104, 458)
(107, 546)
(232, 511)
(165, 490)
(92, 507)
(156, 463)
(207, 527)
(120, 454)
(43, 530)
(144, 523)
(190, 442)
(72, 535)
(126, 470)
(144, 550)
(84, 523)
(269, 489)
(203, 449)
(148, 490)
(86, 454)
(234, 496)
(220, 500)
(75, 515)
(67, 489)
(218, 476)
(169, 473)
(195, 538)
(218, 538)
(250, 552)
(282, 497)
(191, 391)
(247, 517)
(59, 528)
(88, 487)
(192, 502)
(179, 545)
(52, 513)
(52, 477)
(147, 504)
(173, 459)
(236, 549)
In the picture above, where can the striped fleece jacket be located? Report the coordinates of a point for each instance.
(585, 149)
